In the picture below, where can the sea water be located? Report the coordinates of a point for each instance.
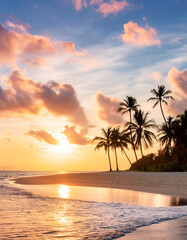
(61, 212)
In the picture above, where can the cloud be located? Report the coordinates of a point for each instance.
(104, 7)
(156, 76)
(178, 82)
(6, 140)
(108, 109)
(43, 135)
(74, 137)
(18, 27)
(34, 50)
(79, 4)
(25, 96)
(139, 35)
(112, 7)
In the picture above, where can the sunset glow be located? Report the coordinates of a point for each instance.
(65, 66)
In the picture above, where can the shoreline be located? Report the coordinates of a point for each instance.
(173, 184)
(170, 229)
(167, 183)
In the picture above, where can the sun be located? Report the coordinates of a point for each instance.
(64, 145)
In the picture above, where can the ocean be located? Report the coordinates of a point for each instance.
(62, 212)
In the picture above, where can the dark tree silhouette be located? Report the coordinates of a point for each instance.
(160, 96)
(128, 105)
(166, 133)
(105, 142)
(115, 143)
(140, 129)
(124, 141)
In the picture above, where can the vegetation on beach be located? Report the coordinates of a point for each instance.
(141, 132)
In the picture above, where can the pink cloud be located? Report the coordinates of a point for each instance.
(17, 44)
(25, 96)
(112, 7)
(43, 135)
(139, 35)
(79, 3)
(18, 27)
(156, 76)
(75, 137)
(104, 7)
(108, 109)
(178, 82)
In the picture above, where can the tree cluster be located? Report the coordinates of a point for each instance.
(138, 134)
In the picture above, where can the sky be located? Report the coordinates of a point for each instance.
(65, 66)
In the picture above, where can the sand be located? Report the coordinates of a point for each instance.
(174, 184)
(167, 230)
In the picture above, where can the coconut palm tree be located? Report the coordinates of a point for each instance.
(128, 105)
(160, 96)
(105, 142)
(180, 137)
(115, 143)
(140, 129)
(124, 140)
(166, 133)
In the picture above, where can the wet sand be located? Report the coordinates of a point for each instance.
(174, 184)
(167, 230)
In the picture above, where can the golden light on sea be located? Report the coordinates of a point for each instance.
(63, 191)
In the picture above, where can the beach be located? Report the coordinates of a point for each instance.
(168, 183)
(174, 184)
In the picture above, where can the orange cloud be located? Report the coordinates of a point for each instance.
(74, 137)
(139, 35)
(17, 44)
(19, 27)
(43, 135)
(112, 7)
(25, 96)
(178, 82)
(108, 109)
(106, 8)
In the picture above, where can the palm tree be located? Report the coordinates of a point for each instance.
(180, 136)
(105, 142)
(160, 96)
(140, 129)
(166, 133)
(115, 143)
(128, 105)
(124, 140)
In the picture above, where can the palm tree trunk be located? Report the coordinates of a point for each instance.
(141, 149)
(163, 113)
(132, 139)
(127, 157)
(117, 169)
(109, 159)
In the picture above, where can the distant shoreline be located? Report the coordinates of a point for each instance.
(168, 183)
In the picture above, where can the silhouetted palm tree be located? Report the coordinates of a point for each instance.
(115, 143)
(124, 140)
(166, 133)
(105, 142)
(140, 130)
(128, 105)
(180, 137)
(161, 95)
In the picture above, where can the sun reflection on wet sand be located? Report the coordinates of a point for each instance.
(64, 191)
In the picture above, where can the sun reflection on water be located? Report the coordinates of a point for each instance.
(64, 191)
